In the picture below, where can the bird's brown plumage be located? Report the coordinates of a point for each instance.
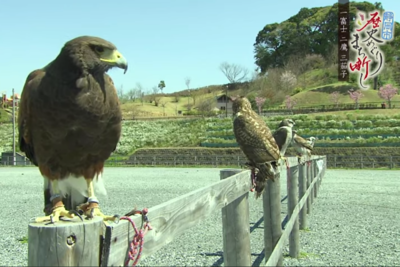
(65, 129)
(301, 145)
(69, 117)
(255, 140)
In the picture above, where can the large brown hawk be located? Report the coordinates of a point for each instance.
(256, 141)
(69, 121)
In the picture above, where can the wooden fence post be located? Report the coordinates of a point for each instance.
(272, 216)
(302, 192)
(236, 228)
(312, 177)
(315, 173)
(293, 199)
(65, 243)
(308, 167)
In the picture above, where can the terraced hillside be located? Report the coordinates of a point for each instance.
(331, 131)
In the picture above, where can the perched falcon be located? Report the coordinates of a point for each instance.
(256, 141)
(69, 122)
(301, 145)
(284, 135)
(311, 140)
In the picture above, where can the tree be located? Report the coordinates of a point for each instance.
(288, 80)
(310, 31)
(163, 104)
(120, 92)
(387, 92)
(187, 82)
(140, 92)
(121, 96)
(334, 97)
(234, 73)
(355, 96)
(132, 94)
(155, 96)
(260, 102)
(290, 103)
(206, 105)
(161, 85)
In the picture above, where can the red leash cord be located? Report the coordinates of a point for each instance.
(136, 245)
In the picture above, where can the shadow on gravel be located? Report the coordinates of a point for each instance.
(258, 261)
(260, 256)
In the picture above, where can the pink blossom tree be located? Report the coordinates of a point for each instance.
(290, 103)
(334, 97)
(355, 96)
(387, 92)
(260, 102)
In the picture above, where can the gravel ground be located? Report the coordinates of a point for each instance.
(354, 219)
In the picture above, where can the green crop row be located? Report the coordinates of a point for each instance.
(190, 132)
(359, 140)
(324, 132)
(338, 124)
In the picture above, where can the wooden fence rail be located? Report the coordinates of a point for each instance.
(172, 218)
(335, 161)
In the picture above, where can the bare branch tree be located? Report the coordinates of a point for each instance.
(132, 94)
(120, 92)
(234, 73)
(140, 92)
(187, 82)
(155, 98)
(163, 104)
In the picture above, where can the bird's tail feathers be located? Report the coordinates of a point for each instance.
(265, 171)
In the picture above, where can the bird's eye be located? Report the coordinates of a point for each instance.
(99, 49)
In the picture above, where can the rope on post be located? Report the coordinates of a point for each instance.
(136, 245)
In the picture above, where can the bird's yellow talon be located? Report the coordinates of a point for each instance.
(92, 209)
(55, 215)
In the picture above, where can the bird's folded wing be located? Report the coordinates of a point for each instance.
(302, 142)
(280, 136)
(25, 142)
(255, 138)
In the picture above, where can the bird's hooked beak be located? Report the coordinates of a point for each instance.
(115, 58)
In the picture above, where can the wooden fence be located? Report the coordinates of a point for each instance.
(364, 161)
(91, 243)
(334, 161)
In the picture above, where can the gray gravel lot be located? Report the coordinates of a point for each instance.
(355, 219)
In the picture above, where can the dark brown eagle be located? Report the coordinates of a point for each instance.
(256, 141)
(284, 136)
(69, 122)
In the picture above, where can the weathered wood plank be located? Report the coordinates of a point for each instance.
(276, 255)
(315, 173)
(302, 190)
(309, 206)
(65, 243)
(293, 196)
(312, 176)
(236, 228)
(272, 216)
(173, 217)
